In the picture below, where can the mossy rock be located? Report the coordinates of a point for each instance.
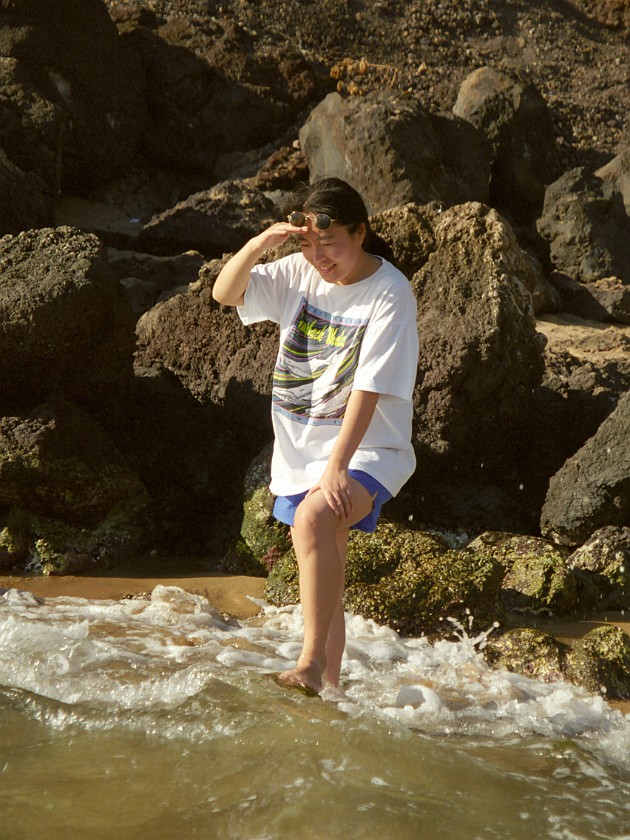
(426, 588)
(34, 544)
(264, 536)
(262, 539)
(602, 569)
(529, 652)
(600, 662)
(536, 580)
(405, 579)
(283, 586)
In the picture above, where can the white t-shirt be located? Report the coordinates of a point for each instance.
(335, 339)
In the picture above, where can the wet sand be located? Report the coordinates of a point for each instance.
(230, 594)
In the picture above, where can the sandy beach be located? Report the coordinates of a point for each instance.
(230, 594)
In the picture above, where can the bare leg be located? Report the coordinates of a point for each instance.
(319, 539)
(337, 634)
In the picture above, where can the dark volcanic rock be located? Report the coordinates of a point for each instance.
(600, 662)
(516, 120)
(25, 201)
(146, 276)
(72, 103)
(189, 465)
(480, 354)
(57, 461)
(585, 221)
(406, 579)
(617, 171)
(592, 489)
(219, 360)
(524, 650)
(607, 299)
(408, 230)
(68, 499)
(66, 324)
(213, 90)
(214, 222)
(393, 151)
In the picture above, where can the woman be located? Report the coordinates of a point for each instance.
(342, 389)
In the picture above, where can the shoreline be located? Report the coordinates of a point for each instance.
(232, 594)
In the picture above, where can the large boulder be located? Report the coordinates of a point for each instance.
(524, 650)
(146, 277)
(587, 369)
(219, 360)
(393, 151)
(215, 222)
(617, 171)
(262, 539)
(480, 354)
(212, 90)
(40, 545)
(585, 222)
(72, 500)
(592, 489)
(607, 299)
(518, 124)
(25, 202)
(406, 579)
(408, 230)
(59, 462)
(188, 462)
(66, 323)
(599, 662)
(72, 102)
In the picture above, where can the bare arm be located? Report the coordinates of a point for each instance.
(335, 482)
(233, 280)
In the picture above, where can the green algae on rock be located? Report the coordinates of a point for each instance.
(405, 579)
(283, 587)
(600, 662)
(527, 651)
(37, 544)
(263, 540)
(602, 569)
(537, 580)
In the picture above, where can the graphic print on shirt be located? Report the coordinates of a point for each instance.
(316, 365)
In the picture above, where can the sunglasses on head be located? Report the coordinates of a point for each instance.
(321, 221)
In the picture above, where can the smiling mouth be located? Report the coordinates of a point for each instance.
(325, 269)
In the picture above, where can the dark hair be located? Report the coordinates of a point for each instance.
(343, 204)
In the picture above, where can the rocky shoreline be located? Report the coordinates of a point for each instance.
(493, 150)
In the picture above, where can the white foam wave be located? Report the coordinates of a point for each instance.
(137, 656)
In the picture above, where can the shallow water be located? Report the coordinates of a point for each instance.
(159, 719)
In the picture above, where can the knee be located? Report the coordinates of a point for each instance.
(311, 517)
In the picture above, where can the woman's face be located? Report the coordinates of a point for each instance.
(336, 253)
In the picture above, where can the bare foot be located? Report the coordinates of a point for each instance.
(308, 675)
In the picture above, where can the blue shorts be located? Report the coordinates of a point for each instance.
(285, 506)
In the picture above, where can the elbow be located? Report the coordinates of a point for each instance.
(216, 294)
(223, 299)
